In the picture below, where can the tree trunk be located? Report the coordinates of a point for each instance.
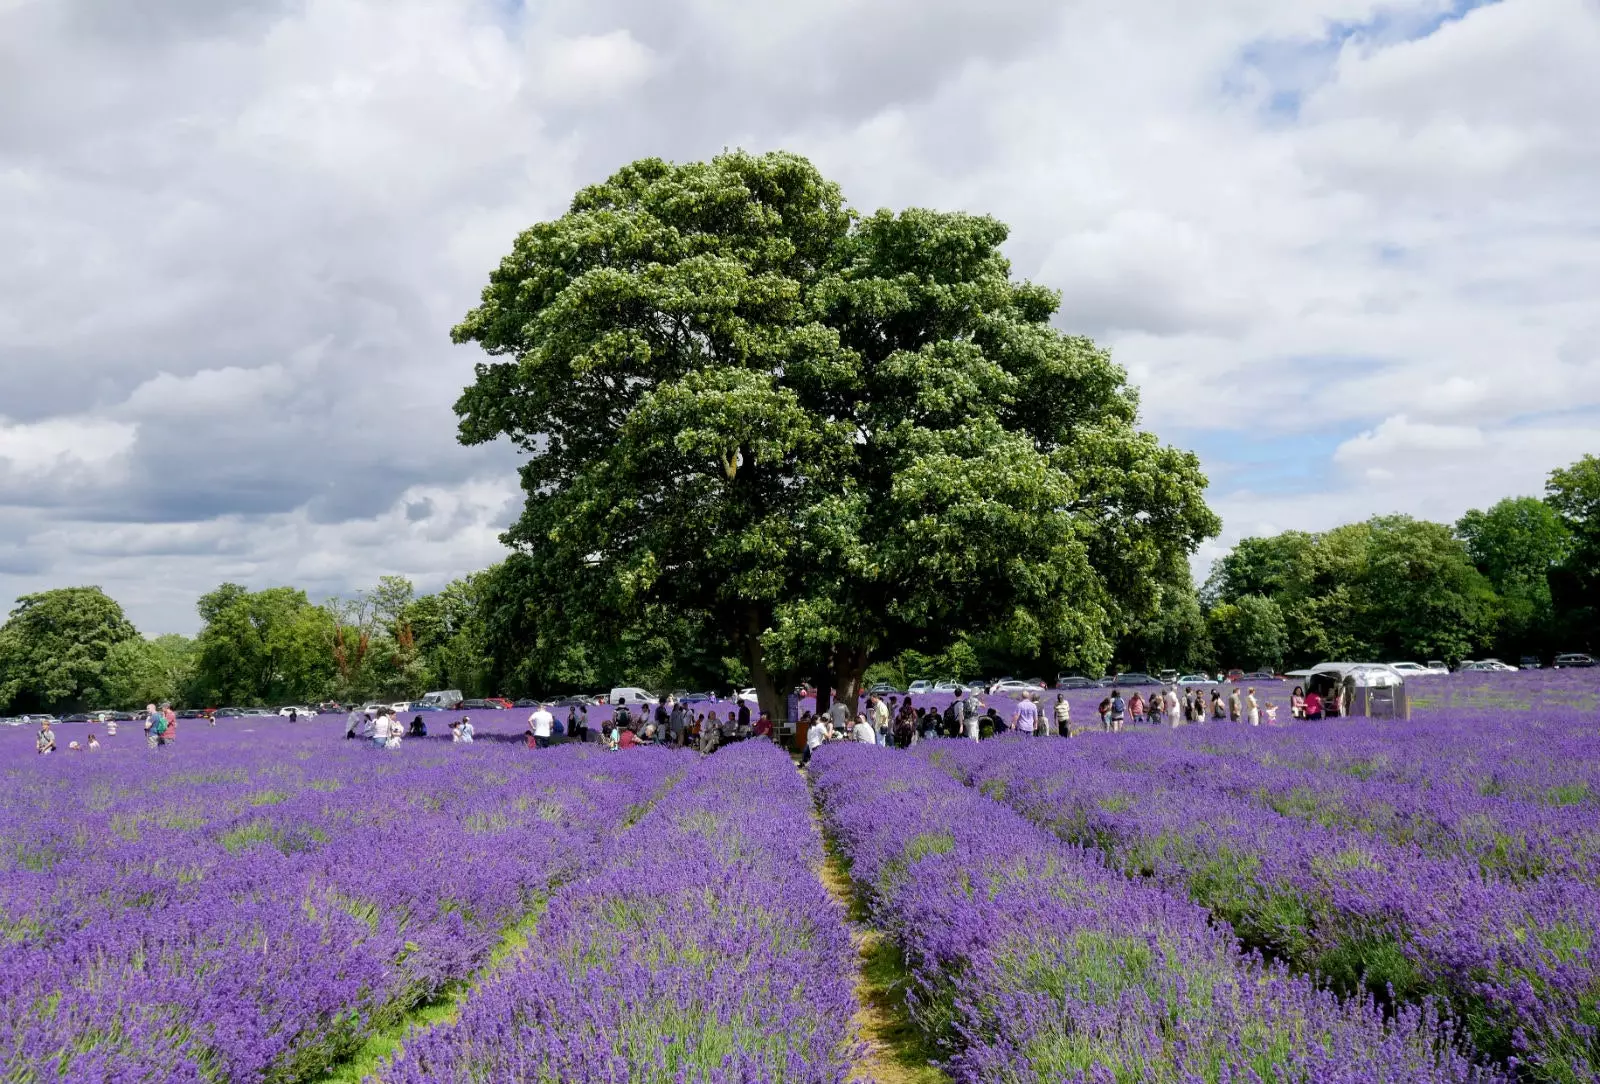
(848, 666)
(768, 697)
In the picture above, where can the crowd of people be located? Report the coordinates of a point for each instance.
(887, 721)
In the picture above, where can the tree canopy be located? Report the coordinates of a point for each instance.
(813, 438)
(54, 647)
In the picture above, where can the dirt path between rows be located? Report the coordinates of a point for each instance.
(896, 1051)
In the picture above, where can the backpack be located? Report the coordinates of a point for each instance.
(952, 721)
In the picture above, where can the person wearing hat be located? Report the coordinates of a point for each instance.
(45, 743)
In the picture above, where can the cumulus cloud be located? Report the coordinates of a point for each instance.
(1347, 248)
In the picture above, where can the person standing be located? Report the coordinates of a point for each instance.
(542, 722)
(971, 712)
(709, 734)
(1119, 710)
(1136, 708)
(94, 743)
(1174, 715)
(352, 723)
(1026, 717)
(1063, 716)
(1234, 706)
(294, 716)
(742, 724)
(380, 729)
(45, 743)
(1252, 709)
(880, 720)
(839, 716)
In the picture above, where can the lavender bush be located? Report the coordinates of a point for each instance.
(248, 906)
(703, 949)
(1519, 962)
(1033, 962)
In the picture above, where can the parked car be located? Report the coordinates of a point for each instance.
(1411, 669)
(1168, 676)
(1234, 676)
(1196, 679)
(1487, 666)
(419, 706)
(1131, 679)
(920, 687)
(477, 705)
(1013, 687)
(284, 711)
(1530, 662)
(1574, 660)
(1438, 666)
(573, 702)
(885, 688)
(1075, 681)
(448, 699)
(697, 698)
(229, 713)
(947, 686)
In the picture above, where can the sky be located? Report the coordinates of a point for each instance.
(1349, 251)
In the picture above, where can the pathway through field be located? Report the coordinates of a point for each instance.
(897, 1052)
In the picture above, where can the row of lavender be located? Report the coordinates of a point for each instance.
(1458, 786)
(703, 949)
(219, 911)
(1518, 960)
(1033, 962)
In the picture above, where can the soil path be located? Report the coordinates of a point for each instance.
(896, 1051)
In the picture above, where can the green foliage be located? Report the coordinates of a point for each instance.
(1249, 633)
(1517, 545)
(811, 438)
(140, 671)
(262, 647)
(1574, 494)
(1390, 588)
(54, 649)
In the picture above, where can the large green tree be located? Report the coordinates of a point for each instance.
(53, 649)
(262, 647)
(1574, 493)
(140, 671)
(1389, 588)
(811, 437)
(1518, 544)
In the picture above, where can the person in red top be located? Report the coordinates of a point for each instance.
(625, 739)
(1313, 705)
(763, 726)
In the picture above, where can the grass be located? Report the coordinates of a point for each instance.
(444, 1008)
(897, 1051)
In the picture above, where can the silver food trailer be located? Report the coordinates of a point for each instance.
(1365, 690)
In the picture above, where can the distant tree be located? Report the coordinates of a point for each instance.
(1574, 493)
(140, 671)
(1392, 587)
(812, 439)
(54, 646)
(1248, 633)
(1518, 544)
(1177, 635)
(262, 647)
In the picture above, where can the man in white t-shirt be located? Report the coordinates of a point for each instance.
(541, 721)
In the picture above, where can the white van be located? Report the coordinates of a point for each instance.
(630, 695)
(446, 699)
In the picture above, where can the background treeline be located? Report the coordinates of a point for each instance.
(1519, 578)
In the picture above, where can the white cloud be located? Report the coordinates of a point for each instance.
(1336, 232)
(62, 446)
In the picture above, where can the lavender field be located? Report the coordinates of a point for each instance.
(1337, 901)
